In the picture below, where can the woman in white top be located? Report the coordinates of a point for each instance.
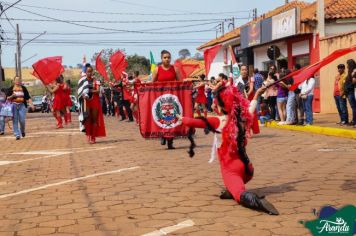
(307, 95)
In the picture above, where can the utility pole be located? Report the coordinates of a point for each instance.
(222, 28)
(1, 38)
(16, 69)
(254, 14)
(18, 50)
(321, 18)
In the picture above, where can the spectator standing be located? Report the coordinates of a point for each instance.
(20, 97)
(307, 94)
(350, 89)
(257, 83)
(2, 117)
(339, 95)
(271, 95)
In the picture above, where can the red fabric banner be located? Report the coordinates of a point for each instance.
(48, 69)
(159, 104)
(185, 70)
(118, 64)
(209, 56)
(303, 74)
(100, 67)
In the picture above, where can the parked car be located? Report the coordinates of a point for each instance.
(75, 106)
(37, 103)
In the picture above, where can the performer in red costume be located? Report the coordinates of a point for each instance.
(58, 102)
(165, 73)
(93, 119)
(236, 168)
(201, 97)
(67, 102)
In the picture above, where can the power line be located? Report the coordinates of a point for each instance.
(145, 30)
(131, 13)
(7, 18)
(110, 29)
(126, 21)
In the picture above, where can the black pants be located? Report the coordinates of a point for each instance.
(126, 104)
(272, 102)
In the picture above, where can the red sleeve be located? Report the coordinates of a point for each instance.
(198, 123)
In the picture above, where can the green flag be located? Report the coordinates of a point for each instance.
(153, 63)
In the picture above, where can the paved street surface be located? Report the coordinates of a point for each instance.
(54, 183)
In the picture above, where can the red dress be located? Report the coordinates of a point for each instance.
(166, 75)
(231, 166)
(58, 101)
(95, 129)
(67, 99)
(201, 97)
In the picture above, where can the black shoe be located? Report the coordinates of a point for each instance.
(163, 141)
(251, 200)
(2, 133)
(130, 121)
(225, 194)
(123, 119)
(170, 144)
(23, 134)
(17, 137)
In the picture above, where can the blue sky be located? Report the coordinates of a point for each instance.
(187, 27)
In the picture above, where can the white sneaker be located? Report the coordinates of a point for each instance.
(281, 123)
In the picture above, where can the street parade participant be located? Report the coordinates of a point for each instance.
(166, 73)
(67, 102)
(127, 94)
(234, 126)
(59, 105)
(134, 107)
(91, 116)
(201, 99)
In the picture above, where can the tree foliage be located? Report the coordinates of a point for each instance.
(184, 54)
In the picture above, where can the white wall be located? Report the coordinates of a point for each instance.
(300, 48)
(260, 53)
(218, 66)
(339, 28)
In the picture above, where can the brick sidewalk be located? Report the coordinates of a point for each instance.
(297, 171)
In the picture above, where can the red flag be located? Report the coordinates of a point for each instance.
(159, 104)
(303, 74)
(209, 56)
(185, 70)
(48, 69)
(118, 64)
(100, 67)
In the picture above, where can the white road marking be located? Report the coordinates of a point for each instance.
(67, 181)
(2, 163)
(41, 153)
(170, 229)
(54, 154)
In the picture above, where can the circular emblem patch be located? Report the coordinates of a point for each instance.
(165, 110)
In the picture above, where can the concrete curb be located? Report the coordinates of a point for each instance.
(343, 133)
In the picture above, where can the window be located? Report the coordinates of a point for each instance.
(303, 60)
